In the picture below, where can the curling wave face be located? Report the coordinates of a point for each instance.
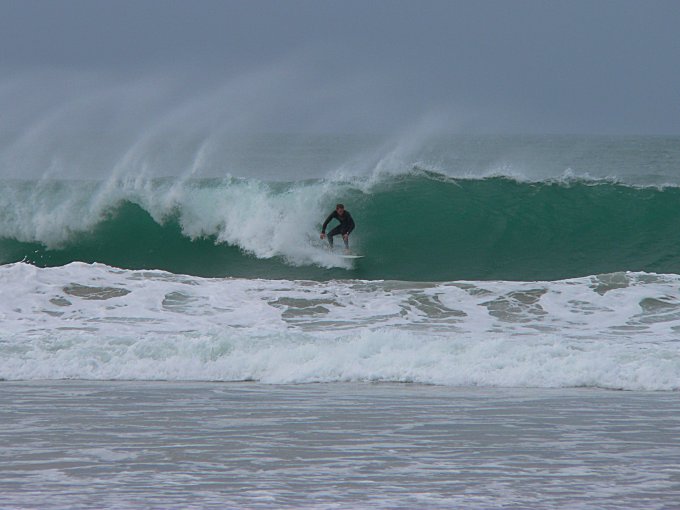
(418, 226)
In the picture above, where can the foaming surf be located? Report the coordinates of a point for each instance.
(81, 321)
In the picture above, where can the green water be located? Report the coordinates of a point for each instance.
(419, 227)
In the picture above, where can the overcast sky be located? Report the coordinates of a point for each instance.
(482, 66)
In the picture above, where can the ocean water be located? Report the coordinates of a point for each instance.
(460, 208)
(496, 270)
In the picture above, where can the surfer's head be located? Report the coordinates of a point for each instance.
(340, 208)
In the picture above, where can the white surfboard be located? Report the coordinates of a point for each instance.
(338, 253)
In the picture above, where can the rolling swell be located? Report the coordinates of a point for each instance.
(423, 227)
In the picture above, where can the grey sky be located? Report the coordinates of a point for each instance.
(509, 66)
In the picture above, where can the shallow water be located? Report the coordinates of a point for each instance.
(247, 445)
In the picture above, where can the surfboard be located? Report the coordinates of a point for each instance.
(314, 241)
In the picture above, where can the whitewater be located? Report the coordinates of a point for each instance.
(83, 321)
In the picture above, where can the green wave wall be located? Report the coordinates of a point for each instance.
(424, 228)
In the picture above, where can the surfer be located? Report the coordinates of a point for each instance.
(345, 228)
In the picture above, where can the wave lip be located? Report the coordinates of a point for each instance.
(83, 321)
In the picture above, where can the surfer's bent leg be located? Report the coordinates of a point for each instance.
(332, 233)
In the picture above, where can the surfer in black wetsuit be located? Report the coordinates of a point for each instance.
(345, 228)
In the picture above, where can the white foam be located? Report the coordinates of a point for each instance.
(96, 322)
(258, 217)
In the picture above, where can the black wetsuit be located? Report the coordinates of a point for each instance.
(346, 226)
